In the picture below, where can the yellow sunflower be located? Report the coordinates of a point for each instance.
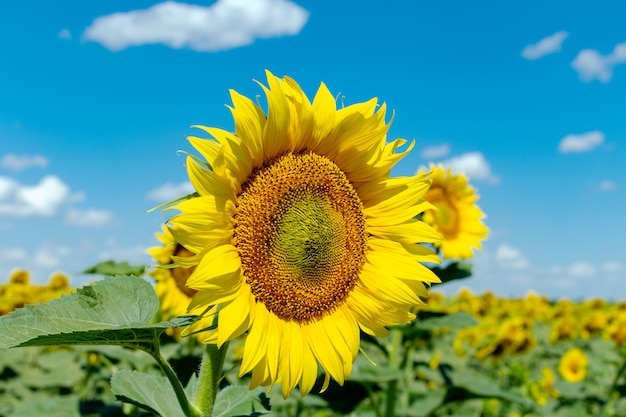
(19, 276)
(573, 365)
(300, 235)
(174, 295)
(457, 216)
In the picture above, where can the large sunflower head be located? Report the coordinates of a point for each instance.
(456, 217)
(301, 237)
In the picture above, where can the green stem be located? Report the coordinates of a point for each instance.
(394, 362)
(209, 378)
(188, 408)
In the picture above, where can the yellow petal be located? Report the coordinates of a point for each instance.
(256, 342)
(410, 232)
(234, 317)
(384, 282)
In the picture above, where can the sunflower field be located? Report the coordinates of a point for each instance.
(301, 279)
(466, 355)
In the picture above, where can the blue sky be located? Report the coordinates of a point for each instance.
(527, 98)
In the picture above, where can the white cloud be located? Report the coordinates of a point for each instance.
(547, 45)
(590, 64)
(433, 152)
(65, 34)
(474, 165)
(122, 252)
(41, 200)
(50, 255)
(613, 267)
(13, 255)
(90, 218)
(581, 269)
(223, 25)
(607, 185)
(581, 143)
(170, 191)
(509, 257)
(20, 162)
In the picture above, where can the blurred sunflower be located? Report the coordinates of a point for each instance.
(573, 365)
(300, 235)
(457, 217)
(174, 295)
(19, 276)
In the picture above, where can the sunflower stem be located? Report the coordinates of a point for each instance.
(394, 362)
(187, 407)
(209, 378)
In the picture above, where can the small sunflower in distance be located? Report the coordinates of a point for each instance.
(457, 216)
(573, 365)
(301, 237)
(174, 295)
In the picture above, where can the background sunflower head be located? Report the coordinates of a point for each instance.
(456, 215)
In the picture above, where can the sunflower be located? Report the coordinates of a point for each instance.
(301, 237)
(457, 217)
(19, 276)
(573, 365)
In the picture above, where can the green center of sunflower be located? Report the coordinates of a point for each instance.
(309, 233)
(301, 236)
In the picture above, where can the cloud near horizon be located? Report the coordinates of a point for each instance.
(90, 218)
(223, 25)
(548, 45)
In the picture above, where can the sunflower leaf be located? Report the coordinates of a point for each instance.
(153, 393)
(113, 311)
(240, 401)
(112, 268)
(453, 271)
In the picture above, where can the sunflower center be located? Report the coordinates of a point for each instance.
(301, 236)
(181, 275)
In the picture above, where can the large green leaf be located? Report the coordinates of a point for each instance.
(151, 392)
(240, 401)
(113, 311)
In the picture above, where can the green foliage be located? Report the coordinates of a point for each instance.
(150, 392)
(112, 268)
(240, 401)
(43, 405)
(114, 311)
(416, 372)
(453, 271)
